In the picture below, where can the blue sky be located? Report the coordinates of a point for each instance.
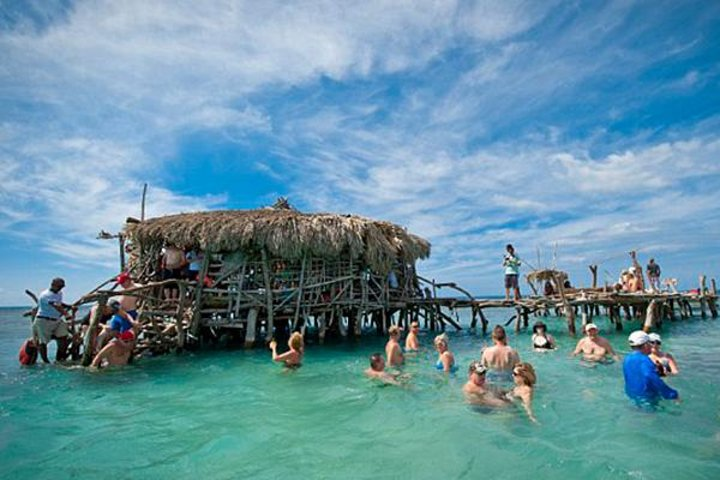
(575, 130)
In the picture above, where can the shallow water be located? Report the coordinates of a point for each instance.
(233, 414)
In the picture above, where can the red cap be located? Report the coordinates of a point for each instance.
(123, 277)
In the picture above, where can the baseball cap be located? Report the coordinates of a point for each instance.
(477, 367)
(638, 338)
(654, 337)
(590, 326)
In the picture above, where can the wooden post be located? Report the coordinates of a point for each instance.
(584, 316)
(182, 290)
(473, 322)
(484, 321)
(618, 318)
(197, 304)
(121, 243)
(650, 316)
(251, 328)
(593, 270)
(298, 300)
(518, 318)
(268, 295)
(712, 301)
(569, 311)
(142, 205)
(701, 296)
(89, 340)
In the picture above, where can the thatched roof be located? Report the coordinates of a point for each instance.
(544, 275)
(284, 233)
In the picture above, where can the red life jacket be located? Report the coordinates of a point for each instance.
(28, 353)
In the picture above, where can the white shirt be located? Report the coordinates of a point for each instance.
(45, 304)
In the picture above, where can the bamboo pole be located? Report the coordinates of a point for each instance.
(89, 340)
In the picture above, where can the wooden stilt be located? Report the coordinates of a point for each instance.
(484, 321)
(251, 328)
(650, 316)
(180, 315)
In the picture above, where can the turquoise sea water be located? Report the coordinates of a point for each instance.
(233, 414)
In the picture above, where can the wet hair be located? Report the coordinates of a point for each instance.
(499, 334)
(476, 366)
(539, 325)
(525, 371)
(375, 359)
(296, 341)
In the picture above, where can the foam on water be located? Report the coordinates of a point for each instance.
(233, 414)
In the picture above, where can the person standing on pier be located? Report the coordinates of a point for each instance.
(48, 323)
(393, 351)
(642, 382)
(653, 273)
(512, 270)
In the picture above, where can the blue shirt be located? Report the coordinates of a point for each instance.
(642, 381)
(46, 300)
(119, 324)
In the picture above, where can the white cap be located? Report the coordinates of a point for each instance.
(638, 338)
(654, 337)
(590, 326)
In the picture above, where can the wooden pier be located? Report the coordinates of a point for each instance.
(265, 273)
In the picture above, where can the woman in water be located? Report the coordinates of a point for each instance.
(542, 340)
(524, 378)
(293, 357)
(665, 362)
(446, 360)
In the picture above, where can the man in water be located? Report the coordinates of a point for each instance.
(593, 347)
(377, 370)
(120, 347)
(393, 351)
(500, 358)
(512, 271)
(128, 302)
(48, 323)
(411, 342)
(642, 382)
(476, 390)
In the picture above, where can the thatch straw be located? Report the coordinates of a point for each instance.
(285, 233)
(545, 275)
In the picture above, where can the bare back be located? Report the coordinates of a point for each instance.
(500, 357)
(393, 354)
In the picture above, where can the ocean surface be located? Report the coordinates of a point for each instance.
(234, 414)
